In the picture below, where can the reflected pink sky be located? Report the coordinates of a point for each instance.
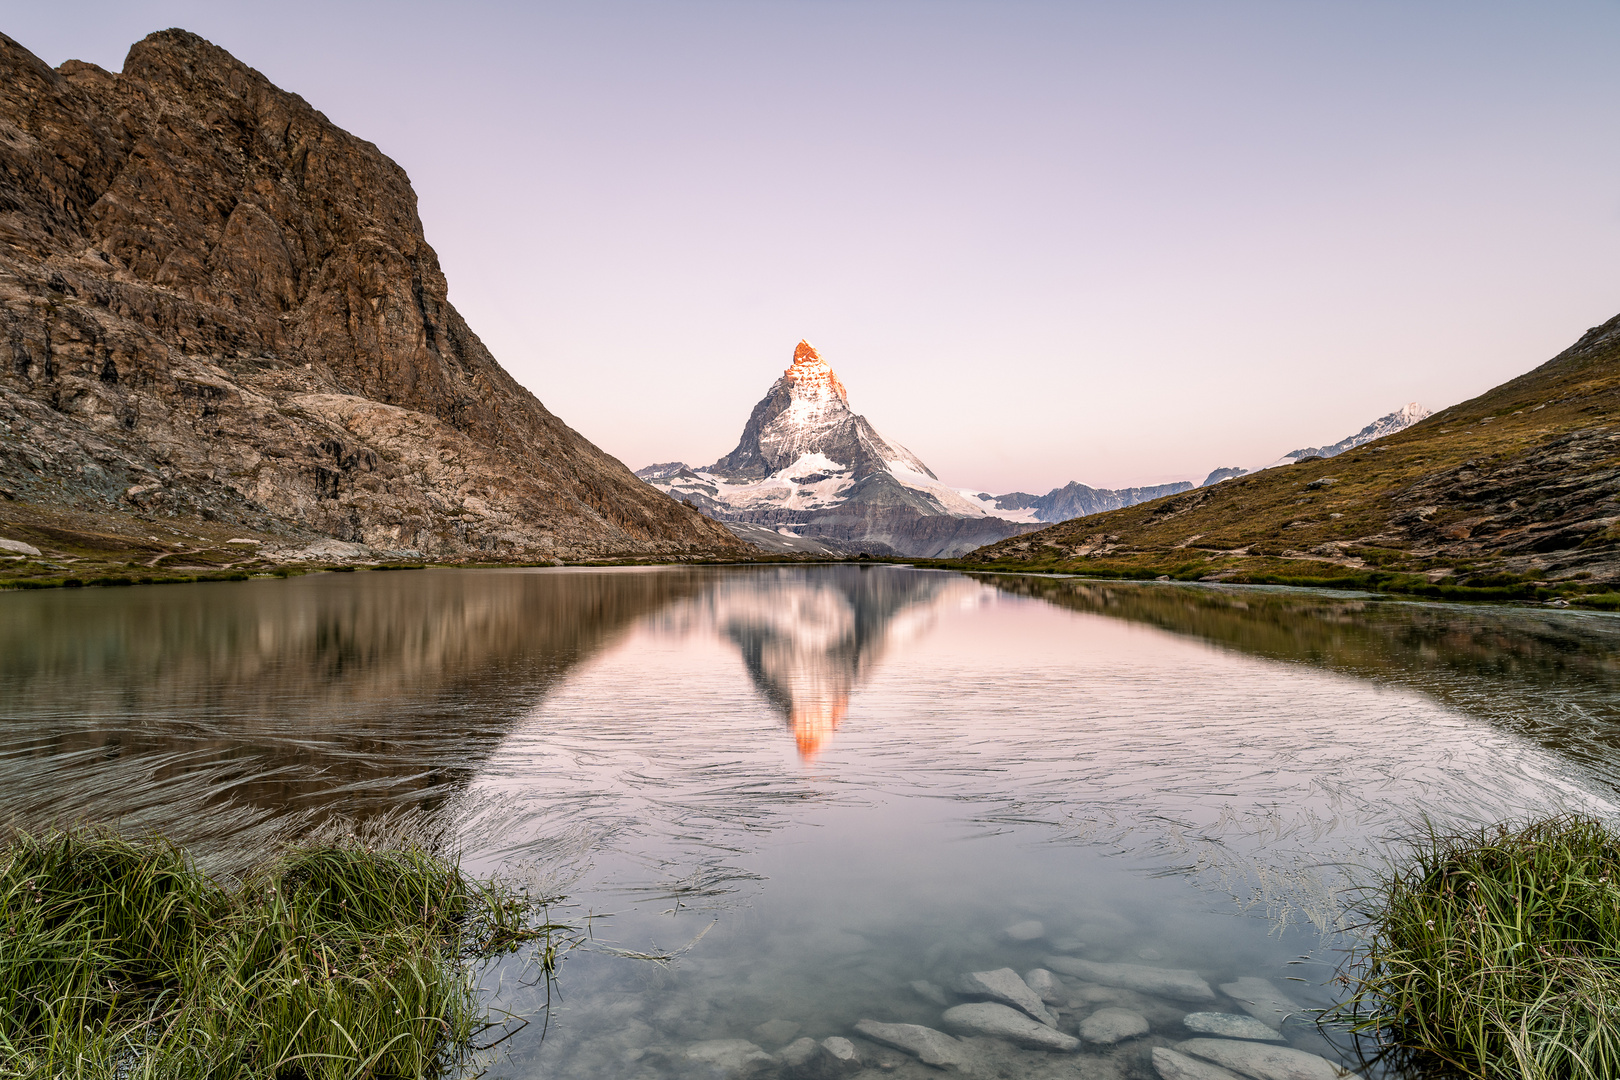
(1038, 241)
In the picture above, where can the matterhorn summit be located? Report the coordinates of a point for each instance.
(809, 473)
(804, 424)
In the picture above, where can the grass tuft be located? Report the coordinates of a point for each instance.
(120, 958)
(1497, 952)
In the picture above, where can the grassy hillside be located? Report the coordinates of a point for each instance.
(1516, 492)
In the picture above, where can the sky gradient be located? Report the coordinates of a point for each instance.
(1039, 242)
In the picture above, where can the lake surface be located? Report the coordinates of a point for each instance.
(815, 786)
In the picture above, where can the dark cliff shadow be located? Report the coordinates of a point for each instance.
(199, 709)
(1550, 676)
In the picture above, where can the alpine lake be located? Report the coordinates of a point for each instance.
(802, 803)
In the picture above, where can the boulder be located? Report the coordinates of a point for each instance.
(930, 1046)
(1230, 1026)
(929, 992)
(1005, 986)
(1001, 1022)
(1263, 1061)
(1178, 983)
(19, 548)
(1028, 930)
(1173, 1066)
(1112, 1025)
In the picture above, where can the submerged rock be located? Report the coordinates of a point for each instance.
(930, 1046)
(776, 1032)
(843, 1052)
(929, 992)
(1002, 1022)
(1046, 984)
(1261, 1000)
(1173, 1066)
(1028, 930)
(1112, 1025)
(1004, 985)
(731, 1058)
(1178, 983)
(1230, 1026)
(1262, 1061)
(806, 1059)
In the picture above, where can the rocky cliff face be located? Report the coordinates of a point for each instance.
(809, 467)
(215, 303)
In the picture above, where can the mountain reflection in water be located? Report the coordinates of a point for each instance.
(807, 641)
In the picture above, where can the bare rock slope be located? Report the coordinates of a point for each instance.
(215, 304)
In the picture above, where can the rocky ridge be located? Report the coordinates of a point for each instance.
(1522, 481)
(217, 306)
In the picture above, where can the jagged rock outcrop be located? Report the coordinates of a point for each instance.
(808, 466)
(214, 302)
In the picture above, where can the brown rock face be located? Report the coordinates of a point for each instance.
(213, 302)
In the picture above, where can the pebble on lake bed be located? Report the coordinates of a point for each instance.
(1028, 930)
(1112, 1025)
(806, 1059)
(1002, 1022)
(930, 1046)
(1183, 985)
(1230, 1026)
(776, 1032)
(1173, 1066)
(1261, 1000)
(731, 1057)
(843, 1050)
(1046, 984)
(1005, 985)
(1262, 1061)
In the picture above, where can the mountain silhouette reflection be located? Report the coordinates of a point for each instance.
(809, 637)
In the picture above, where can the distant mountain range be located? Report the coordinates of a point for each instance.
(1388, 424)
(810, 474)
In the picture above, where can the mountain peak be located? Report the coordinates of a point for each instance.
(810, 375)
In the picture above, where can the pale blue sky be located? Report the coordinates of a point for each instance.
(1118, 243)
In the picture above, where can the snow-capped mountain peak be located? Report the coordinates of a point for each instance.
(809, 465)
(810, 376)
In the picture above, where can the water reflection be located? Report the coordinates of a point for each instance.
(1550, 676)
(808, 641)
(203, 708)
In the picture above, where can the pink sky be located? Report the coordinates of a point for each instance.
(1114, 243)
